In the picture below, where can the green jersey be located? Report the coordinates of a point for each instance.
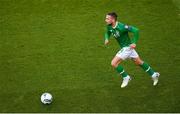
(120, 32)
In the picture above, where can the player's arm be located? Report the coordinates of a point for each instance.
(135, 32)
(106, 37)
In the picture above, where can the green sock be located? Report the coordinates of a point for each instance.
(147, 68)
(120, 70)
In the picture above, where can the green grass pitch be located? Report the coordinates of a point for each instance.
(57, 46)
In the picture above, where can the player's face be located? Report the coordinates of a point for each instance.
(109, 19)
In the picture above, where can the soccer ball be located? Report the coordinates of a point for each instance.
(46, 98)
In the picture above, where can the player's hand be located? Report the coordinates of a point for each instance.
(133, 46)
(106, 42)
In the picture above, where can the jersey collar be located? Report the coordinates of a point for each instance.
(115, 25)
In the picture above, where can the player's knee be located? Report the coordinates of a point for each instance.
(138, 62)
(114, 64)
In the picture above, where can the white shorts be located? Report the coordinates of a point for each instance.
(127, 52)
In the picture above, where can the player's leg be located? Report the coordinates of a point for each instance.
(120, 56)
(115, 63)
(146, 67)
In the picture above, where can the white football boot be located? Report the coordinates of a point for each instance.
(125, 81)
(155, 78)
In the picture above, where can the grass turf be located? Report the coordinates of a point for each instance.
(56, 46)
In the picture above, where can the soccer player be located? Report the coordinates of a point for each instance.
(120, 32)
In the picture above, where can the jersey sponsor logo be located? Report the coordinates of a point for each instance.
(116, 34)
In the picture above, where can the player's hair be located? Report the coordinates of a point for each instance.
(114, 15)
